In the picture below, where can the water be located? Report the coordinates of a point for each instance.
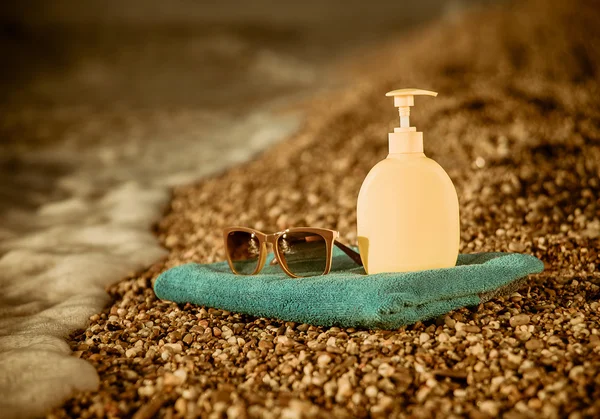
(104, 108)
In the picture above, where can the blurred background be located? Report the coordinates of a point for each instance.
(152, 53)
(98, 93)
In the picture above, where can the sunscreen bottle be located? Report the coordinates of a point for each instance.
(407, 213)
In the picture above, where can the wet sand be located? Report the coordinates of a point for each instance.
(516, 125)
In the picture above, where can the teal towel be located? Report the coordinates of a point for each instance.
(347, 297)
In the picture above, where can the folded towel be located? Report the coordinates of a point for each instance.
(347, 297)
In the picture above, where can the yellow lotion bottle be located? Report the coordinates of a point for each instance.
(407, 212)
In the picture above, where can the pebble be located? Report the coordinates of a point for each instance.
(236, 411)
(516, 247)
(460, 393)
(323, 360)
(576, 371)
(226, 332)
(131, 352)
(265, 344)
(534, 344)
(181, 406)
(146, 391)
(472, 329)
(344, 389)
(386, 370)
(176, 378)
(189, 394)
(352, 348)
(371, 391)
(174, 347)
(519, 320)
(489, 407)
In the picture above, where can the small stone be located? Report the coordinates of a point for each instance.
(323, 360)
(174, 347)
(514, 359)
(489, 407)
(476, 349)
(146, 391)
(330, 388)
(130, 375)
(496, 382)
(523, 335)
(424, 337)
(384, 404)
(352, 348)
(577, 320)
(371, 391)
(265, 344)
(519, 320)
(131, 352)
(171, 240)
(460, 392)
(181, 406)
(576, 372)
(344, 389)
(283, 340)
(176, 378)
(516, 247)
(227, 332)
(554, 340)
(472, 329)
(534, 344)
(236, 412)
(189, 394)
(386, 370)
(303, 327)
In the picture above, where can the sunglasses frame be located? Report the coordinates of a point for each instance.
(328, 235)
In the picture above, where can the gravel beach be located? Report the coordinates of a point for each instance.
(517, 127)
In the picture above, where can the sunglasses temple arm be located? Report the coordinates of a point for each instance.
(355, 256)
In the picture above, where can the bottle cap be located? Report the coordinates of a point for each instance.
(406, 139)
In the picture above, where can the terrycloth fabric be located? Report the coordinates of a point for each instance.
(347, 297)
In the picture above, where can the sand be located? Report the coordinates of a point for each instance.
(516, 125)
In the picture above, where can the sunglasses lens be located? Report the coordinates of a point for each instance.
(244, 251)
(304, 254)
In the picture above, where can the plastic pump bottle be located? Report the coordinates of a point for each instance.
(407, 211)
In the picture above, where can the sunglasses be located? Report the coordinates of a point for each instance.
(300, 251)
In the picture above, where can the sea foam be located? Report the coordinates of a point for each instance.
(56, 261)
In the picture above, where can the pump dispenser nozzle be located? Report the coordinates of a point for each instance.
(406, 139)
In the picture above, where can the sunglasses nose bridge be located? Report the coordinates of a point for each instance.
(272, 238)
